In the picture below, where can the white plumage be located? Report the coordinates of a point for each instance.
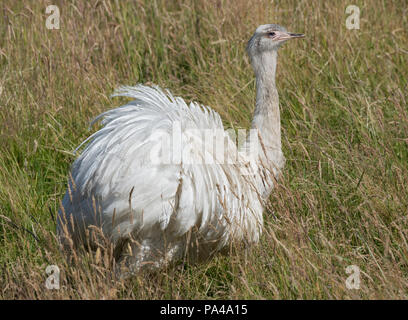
(191, 204)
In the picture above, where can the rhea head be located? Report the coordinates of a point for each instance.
(263, 46)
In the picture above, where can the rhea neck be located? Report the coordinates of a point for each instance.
(266, 118)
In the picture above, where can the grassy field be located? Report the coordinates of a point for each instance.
(343, 199)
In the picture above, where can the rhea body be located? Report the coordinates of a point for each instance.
(167, 211)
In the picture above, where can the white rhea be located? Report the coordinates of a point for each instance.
(187, 206)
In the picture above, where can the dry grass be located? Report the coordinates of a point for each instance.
(343, 199)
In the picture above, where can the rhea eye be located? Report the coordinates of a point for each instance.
(271, 34)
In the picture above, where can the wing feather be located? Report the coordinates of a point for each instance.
(115, 170)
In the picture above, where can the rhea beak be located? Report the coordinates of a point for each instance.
(288, 35)
(296, 35)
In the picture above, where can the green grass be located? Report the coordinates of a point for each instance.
(343, 199)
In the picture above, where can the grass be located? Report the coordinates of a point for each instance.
(343, 199)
